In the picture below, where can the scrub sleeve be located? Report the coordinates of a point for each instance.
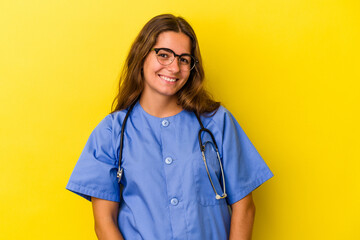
(244, 168)
(95, 172)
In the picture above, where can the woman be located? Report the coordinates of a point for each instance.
(168, 190)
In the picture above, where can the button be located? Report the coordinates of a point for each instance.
(174, 201)
(165, 123)
(168, 160)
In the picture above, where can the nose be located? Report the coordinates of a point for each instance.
(175, 65)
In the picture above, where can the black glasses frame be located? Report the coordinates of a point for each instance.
(194, 60)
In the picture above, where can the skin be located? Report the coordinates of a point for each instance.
(242, 219)
(105, 219)
(158, 99)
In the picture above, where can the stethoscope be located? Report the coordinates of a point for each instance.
(202, 149)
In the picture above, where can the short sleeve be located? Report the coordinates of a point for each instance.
(94, 174)
(244, 168)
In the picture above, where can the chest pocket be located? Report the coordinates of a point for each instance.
(205, 192)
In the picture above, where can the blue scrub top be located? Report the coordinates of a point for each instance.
(166, 190)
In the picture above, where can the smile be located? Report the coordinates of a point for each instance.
(168, 79)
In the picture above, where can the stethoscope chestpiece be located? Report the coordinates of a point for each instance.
(218, 197)
(119, 174)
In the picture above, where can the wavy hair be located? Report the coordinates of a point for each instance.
(192, 96)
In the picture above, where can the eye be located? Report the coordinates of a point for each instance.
(163, 55)
(185, 60)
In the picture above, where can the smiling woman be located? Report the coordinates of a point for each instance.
(175, 36)
(181, 159)
(164, 81)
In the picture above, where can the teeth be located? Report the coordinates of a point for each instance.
(168, 79)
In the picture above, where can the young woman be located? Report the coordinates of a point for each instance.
(183, 158)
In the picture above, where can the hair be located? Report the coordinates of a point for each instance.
(192, 96)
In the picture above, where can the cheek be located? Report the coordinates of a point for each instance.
(157, 68)
(151, 69)
(186, 76)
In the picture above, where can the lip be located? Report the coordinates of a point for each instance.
(162, 75)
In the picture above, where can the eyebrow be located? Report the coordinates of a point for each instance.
(170, 50)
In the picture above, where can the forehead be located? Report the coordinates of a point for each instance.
(178, 42)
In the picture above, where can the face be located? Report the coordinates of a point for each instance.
(160, 80)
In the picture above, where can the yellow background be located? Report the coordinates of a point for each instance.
(287, 70)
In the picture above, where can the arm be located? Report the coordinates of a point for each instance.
(105, 216)
(242, 219)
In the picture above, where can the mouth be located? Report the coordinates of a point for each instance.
(168, 79)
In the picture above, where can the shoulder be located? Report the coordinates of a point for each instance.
(111, 122)
(220, 117)
(109, 128)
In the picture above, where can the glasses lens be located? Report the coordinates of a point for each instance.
(186, 63)
(165, 57)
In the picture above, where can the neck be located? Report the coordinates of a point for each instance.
(160, 106)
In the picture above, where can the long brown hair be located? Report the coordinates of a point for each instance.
(192, 96)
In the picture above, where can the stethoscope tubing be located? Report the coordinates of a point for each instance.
(202, 149)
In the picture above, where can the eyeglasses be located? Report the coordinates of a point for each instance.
(166, 56)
